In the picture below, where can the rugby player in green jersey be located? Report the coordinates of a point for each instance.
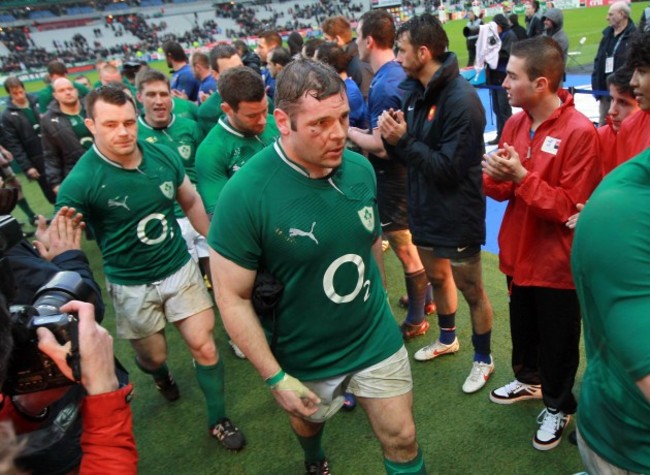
(306, 209)
(126, 190)
(158, 125)
(245, 129)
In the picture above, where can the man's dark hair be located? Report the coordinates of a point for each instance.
(221, 52)
(380, 25)
(240, 84)
(174, 51)
(542, 58)
(514, 19)
(279, 56)
(241, 47)
(426, 30)
(620, 79)
(536, 5)
(295, 43)
(337, 26)
(109, 94)
(334, 55)
(13, 81)
(56, 67)
(148, 75)
(271, 37)
(311, 45)
(638, 50)
(305, 77)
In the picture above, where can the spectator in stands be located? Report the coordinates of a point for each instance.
(277, 59)
(338, 30)
(295, 43)
(202, 72)
(21, 129)
(267, 41)
(554, 27)
(310, 47)
(222, 58)
(519, 30)
(248, 57)
(183, 82)
(64, 133)
(55, 70)
(495, 77)
(534, 22)
(335, 56)
(612, 52)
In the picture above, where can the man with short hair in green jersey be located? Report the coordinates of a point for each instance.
(158, 125)
(222, 58)
(56, 70)
(64, 133)
(245, 129)
(126, 190)
(305, 209)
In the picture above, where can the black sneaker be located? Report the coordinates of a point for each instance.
(168, 388)
(317, 468)
(551, 425)
(229, 435)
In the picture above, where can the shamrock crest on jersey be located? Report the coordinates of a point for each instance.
(167, 189)
(367, 217)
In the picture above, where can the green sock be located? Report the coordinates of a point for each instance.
(211, 382)
(160, 373)
(312, 446)
(412, 467)
(24, 206)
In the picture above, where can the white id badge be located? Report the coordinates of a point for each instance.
(609, 65)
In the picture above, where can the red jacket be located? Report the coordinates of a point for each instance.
(607, 147)
(633, 137)
(563, 169)
(107, 439)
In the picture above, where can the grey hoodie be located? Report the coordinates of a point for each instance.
(557, 31)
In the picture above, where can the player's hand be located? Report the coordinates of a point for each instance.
(33, 174)
(95, 349)
(294, 397)
(392, 126)
(63, 234)
(203, 96)
(573, 220)
(504, 165)
(179, 93)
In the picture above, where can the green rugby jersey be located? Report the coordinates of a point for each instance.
(209, 112)
(315, 236)
(224, 151)
(185, 109)
(131, 212)
(80, 130)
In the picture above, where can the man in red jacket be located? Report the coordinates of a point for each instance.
(547, 162)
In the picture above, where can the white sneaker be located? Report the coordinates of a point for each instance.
(516, 391)
(478, 376)
(551, 427)
(436, 349)
(238, 352)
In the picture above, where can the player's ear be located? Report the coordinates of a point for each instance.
(283, 121)
(225, 107)
(90, 125)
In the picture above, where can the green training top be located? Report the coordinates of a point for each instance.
(224, 151)
(315, 236)
(130, 212)
(610, 260)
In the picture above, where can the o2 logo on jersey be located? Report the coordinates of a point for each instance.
(328, 279)
(151, 222)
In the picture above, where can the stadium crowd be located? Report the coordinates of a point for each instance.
(245, 178)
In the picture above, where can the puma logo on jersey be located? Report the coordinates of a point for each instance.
(116, 203)
(299, 232)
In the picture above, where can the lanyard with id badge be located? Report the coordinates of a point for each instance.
(609, 61)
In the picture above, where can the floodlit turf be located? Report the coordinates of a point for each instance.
(459, 434)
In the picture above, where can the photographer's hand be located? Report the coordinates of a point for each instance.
(63, 234)
(95, 349)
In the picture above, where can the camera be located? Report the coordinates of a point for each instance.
(30, 370)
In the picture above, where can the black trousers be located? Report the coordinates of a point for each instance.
(545, 331)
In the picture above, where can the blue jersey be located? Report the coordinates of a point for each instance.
(184, 80)
(384, 91)
(208, 85)
(357, 104)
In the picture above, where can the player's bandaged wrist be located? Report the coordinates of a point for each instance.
(275, 379)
